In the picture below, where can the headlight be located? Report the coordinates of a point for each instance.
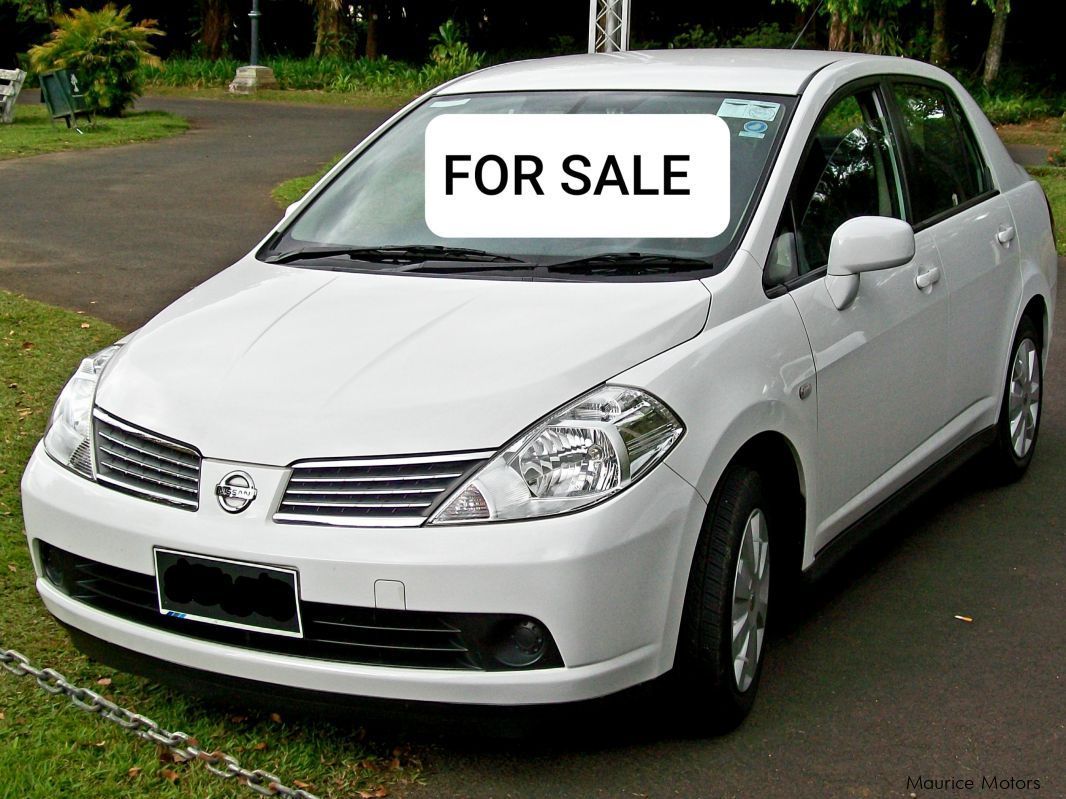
(578, 456)
(68, 438)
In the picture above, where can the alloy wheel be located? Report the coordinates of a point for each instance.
(751, 595)
(1023, 400)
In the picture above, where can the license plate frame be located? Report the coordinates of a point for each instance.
(238, 576)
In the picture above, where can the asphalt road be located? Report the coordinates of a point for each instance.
(121, 232)
(871, 680)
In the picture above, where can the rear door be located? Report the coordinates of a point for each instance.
(953, 198)
(882, 361)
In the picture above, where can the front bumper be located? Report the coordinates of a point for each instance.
(608, 582)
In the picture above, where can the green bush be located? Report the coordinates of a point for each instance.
(105, 50)
(767, 35)
(694, 37)
(1011, 109)
(451, 57)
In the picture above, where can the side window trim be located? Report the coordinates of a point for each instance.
(899, 133)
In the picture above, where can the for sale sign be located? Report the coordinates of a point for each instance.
(577, 176)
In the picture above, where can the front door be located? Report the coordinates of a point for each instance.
(881, 361)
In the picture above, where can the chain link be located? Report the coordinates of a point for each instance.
(179, 744)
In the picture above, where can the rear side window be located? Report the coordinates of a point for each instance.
(946, 168)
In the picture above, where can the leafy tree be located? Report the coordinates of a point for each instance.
(870, 26)
(105, 50)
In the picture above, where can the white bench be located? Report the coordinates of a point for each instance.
(11, 81)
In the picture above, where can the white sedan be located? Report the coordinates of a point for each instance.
(367, 460)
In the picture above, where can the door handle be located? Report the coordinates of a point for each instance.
(1005, 235)
(927, 277)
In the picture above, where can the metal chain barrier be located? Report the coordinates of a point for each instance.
(179, 744)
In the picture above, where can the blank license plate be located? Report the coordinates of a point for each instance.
(247, 596)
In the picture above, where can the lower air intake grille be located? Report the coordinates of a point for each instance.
(379, 492)
(413, 639)
(142, 463)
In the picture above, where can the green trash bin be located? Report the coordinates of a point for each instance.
(60, 92)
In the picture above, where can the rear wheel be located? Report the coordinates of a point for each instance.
(723, 627)
(1019, 415)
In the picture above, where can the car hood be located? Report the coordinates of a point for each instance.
(271, 364)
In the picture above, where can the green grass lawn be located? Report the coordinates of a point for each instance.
(1050, 133)
(1053, 179)
(48, 748)
(291, 190)
(32, 134)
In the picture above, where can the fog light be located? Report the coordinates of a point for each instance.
(53, 565)
(522, 645)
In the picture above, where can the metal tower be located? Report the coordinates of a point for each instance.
(608, 25)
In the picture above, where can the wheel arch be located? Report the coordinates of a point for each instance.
(776, 457)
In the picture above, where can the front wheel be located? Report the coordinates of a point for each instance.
(1019, 415)
(723, 626)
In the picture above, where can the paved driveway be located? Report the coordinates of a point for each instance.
(133, 228)
(871, 682)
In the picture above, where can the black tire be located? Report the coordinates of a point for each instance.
(704, 681)
(1004, 462)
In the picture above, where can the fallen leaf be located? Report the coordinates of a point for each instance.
(377, 793)
(134, 771)
(27, 345)
(84, 325)
(303, 786)
(276, 718)
(238, 719)
(11, 567)
(259, 747)
(12, 385)
(2, 716)
(105, 681)
(166, 756)
(170, 775)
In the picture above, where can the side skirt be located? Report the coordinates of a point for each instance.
(880, 517)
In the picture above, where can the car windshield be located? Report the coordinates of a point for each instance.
(378, 200)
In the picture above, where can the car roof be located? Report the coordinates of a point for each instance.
(757, 71)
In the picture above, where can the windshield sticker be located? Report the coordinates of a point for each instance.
(621, 176)
(755, 129)
(749, 109)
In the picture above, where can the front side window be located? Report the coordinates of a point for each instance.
(379, 199)
(946, 168)
(850, 170)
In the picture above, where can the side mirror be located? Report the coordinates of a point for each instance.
(290, 209)
(865, 244)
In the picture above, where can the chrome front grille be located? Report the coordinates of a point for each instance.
(145, 464)
(374, 492)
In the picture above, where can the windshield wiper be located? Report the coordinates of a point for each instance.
(620, 261)
(405, 254)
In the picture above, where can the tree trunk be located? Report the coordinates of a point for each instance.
(329, 27)
(838, 32)
(373, 31)
(216, 22)
(994, 55)
(940, 55)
